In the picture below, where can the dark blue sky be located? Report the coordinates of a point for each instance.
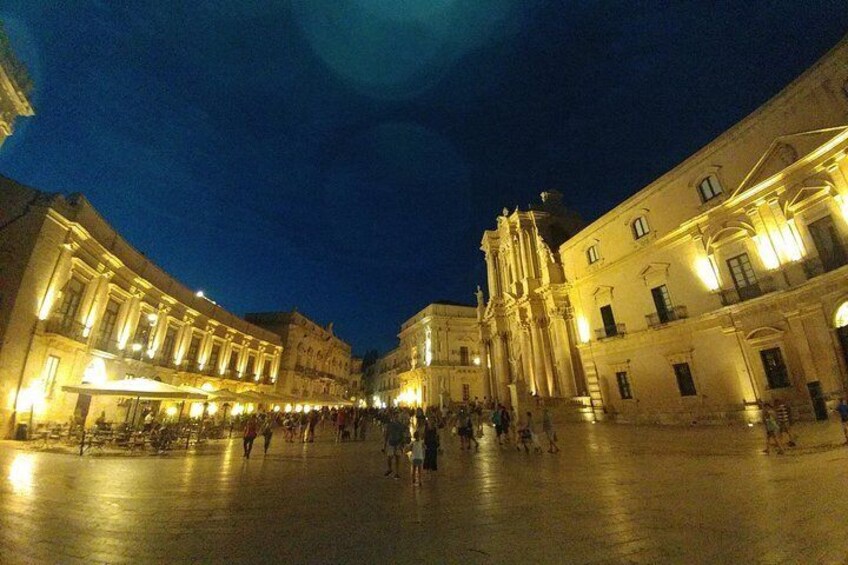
(345, 157)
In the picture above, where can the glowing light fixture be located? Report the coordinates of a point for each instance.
(199, 294)
(136, 347)
(152, 318)
(767, 253)
(171, 411)
(707, 273)
(840, 320)
(583, 329)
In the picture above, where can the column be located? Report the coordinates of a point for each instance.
(500, 365)
(159, 331)
(491, 258)
(799, 340)
(61, 275)
(540, 378)
(101, 296)
(183, 338)
(131, 311)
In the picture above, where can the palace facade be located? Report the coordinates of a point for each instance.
(78, 305)
(722, 284)
(315, 361)
(438, 362)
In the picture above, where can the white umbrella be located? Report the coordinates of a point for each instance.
(137, 388)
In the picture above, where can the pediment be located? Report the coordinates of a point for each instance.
(808, 195)
(764, 333)
(785, 151)
(654, 269)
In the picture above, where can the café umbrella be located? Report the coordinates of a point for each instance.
(147, 389)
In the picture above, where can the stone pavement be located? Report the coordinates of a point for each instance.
(615, 494)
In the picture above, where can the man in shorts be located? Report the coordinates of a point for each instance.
(393, 440)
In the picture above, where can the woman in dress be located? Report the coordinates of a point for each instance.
(431, 446)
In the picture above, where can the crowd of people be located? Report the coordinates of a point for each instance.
(415, 433)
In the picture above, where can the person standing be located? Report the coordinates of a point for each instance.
(548, 428)
(417, 458)
(431, 446)
(250, 432)
(496, 421)
(267, 432)
(393, 442)
(842, 410)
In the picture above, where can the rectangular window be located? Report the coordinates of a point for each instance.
(108, 321)
(777, 374)
(142, 331)
(640, 227)
(463, 356)
(266, 369)
(169, 343)
(214, 355)
(71, 298)
(709, 188)
(193, 349)
(592, 254)
(662, 302)
(744, 278)
(234, 360)
(828, 244)
(251, 366)
(623, 385)
(610, 327)
(51, 367)
(466, 392)
(684, 379)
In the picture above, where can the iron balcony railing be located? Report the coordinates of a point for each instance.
(657, 319)
(66, 327)
(106, 344)
(815, 266)
(763, 286)
(611, 330)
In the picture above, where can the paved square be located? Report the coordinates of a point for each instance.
(615, 494)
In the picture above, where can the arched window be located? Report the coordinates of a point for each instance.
(709, 188)
(592, 254)
(640, 227)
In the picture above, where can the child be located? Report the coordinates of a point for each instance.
(417, 458)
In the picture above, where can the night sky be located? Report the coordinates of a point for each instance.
(345, 157)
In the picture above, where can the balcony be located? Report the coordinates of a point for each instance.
(66, 327)
(612, 330)
(815, 266)
(736, 295)
(106, 344)
(658, 319)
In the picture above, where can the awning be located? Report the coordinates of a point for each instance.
(136, 388)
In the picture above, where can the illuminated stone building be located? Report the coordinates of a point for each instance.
(721, 284)
(525, 324)
(15, 89)
(315, 361)
(438, 362)
(79, 304)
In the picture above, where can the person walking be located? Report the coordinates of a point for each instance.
(251, 429)
(772, 429)
(548, 428)
(531, 434)
(784, 422)
(267, 432)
